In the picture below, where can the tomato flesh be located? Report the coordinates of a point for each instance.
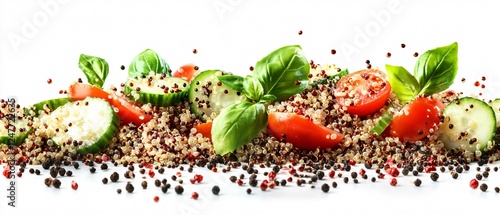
(417, 119)
(204, 129)
(187, 71)
(126, 111)
(363, 92)
(302, 132)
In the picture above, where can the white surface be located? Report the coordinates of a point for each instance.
(233, 35)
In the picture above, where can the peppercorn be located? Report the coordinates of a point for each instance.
(129, 187)
(373, 179)
(276, 169)
(119, 191)
(69, 173)
(479, 177)
(334, 184)
(164, 188)
(144, 184)
(62, 171)
(157, 183)
(114, 177)
(162, 170)
(354, 175)
(249, 191)
(142, 171)
(253, 182)
(53, 172)
(415, 172)
(314, 178)
(104, 180)
(48, 182)
(346, 180)
(454, 175)
(92, 169)
(497, 189)
(179, 189)
(459, 169)
(174, 178)
(233, 178)
(434, 176)
(417, 182)
(486, 174)
(56, 183)
(164, 181)
(325, 187)
(37, 171)
(76, 165)
(483, 187)
(31, 171)
(215, 190)
(104, 166)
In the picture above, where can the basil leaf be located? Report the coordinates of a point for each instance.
(252, 88)
(148, 61)
(233, 81)
(403, 84)
(267, 98)
(283, 73)
(237, 125)
(95, 69)
(335, 77)
(436, 69)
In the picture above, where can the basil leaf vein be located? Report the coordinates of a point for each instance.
(252, 88)
(436, 69)
(95, 69)
(403, 84)
(284, 72)
(237, 125)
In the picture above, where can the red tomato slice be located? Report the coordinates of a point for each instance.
(363, 92)
(417, 119)
(187, 71)
(301, 132)
(205, 129)
(127, 111)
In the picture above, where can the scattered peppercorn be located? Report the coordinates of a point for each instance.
(179, 189)
(119, 191)
(48, 182)
(56, 183)
(92, 169)
(434, 176)
(483, 187)
(417, 182)
(129, 187)
(249, 191)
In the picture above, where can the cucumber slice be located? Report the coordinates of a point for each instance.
(468, 124)
(89, 125)
(495, 104)
(45, 107)
(157, 89)
(14, 132)
(208, 96)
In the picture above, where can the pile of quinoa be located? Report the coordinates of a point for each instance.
(170, 138)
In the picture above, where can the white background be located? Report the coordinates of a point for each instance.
(43, 39)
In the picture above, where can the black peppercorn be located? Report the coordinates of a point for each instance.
(417, 182)
(346, 180)
(253, 182)
(325, 187)
(62, 171)
(334, 184)
(215, 190)
(104, 180)
(114, 177)
(179, 189)
(119, 191)
(283, 182)
(483, 187)
(479, 177)
(233, 178)
(69, 173)
(249, 191)
(104, 166)
(164, 188)
(92, 169)
(56, 183)
(434, 176)
(48, 182)
(144, 184)
(129, 187)
(157, 183)
(162, 170)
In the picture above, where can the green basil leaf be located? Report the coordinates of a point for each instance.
(252, 88)
(95, 69)
(403, 84)
(267, 98)
(284, 72)
(333, 78)
(233, 81)
(148, 61)
(237, 125)
(436, 69)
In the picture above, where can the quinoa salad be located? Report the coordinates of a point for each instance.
(290, 115)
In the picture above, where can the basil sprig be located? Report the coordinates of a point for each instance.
(95, 69)
(434, 72)
(148, 61)
(279, 75)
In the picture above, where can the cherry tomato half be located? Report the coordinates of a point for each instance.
(363, 92)
(204, 129)
(417, 119)
(301, 132)
(127, 111)
(187, 71)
